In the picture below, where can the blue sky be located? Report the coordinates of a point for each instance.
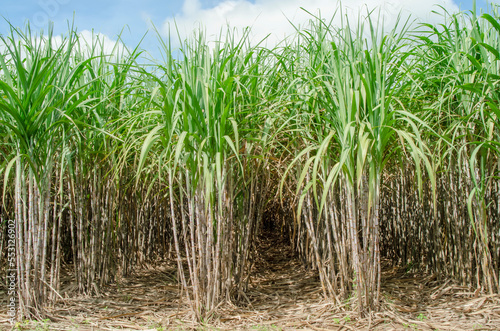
(135, 16)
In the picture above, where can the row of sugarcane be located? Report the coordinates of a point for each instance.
(361, 144)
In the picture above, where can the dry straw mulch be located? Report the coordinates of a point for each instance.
(282, 295)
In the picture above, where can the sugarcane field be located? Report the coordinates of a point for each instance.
(346, 177)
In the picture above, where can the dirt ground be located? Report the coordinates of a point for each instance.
(282, 295)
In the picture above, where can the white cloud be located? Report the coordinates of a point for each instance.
(90, 44)
(94, 44)
(102, 42)
(271, 16)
